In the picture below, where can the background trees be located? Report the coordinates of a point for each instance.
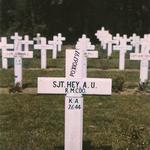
(74, 17)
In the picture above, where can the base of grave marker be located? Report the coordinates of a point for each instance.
(144, 71)
(73, 122)
(43, 59)
(18, 71)
(4, 63)
(122, 61)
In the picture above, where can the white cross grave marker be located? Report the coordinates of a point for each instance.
(17, 60)
(117, 39)
(4, 47)
(110, 45)
(106, 40)
(37, 38)
(102, 37)
(54, 45)
(144, 57)
(43, 46)
(135, 42)
(74, 86)
(122, 47)
(26, 42)
(60, 39)
(17, 54)
(87, 51)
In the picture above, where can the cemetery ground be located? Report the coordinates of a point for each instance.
(31, 121)
(36, 122)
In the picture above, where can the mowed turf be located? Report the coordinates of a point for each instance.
(30, 76)
(36, 122)
(102, 63)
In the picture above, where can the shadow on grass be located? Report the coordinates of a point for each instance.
(10, 66)
(87, 145)
(26, 85)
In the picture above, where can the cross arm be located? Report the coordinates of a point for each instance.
(64, 86)
(13, 54)
(139, 56)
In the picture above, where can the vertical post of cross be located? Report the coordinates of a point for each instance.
(37, 38)
(43, 47)
(145, 62)
(74, 119)
(54, 46)
(17, 60)
(122, 54)
(60, 39)
(73, 127)
(110, 43)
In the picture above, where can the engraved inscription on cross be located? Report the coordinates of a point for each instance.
(74, 86)
(87, 50)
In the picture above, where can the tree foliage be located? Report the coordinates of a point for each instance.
(74, 17)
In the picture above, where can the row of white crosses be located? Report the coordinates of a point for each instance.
(141, 47)
(114, 43)
(74, 85)
(21, 50)
(41, 44)
(55, 45)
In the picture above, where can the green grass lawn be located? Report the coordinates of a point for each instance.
(30, 76)
(36, 122)
(102, 63)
